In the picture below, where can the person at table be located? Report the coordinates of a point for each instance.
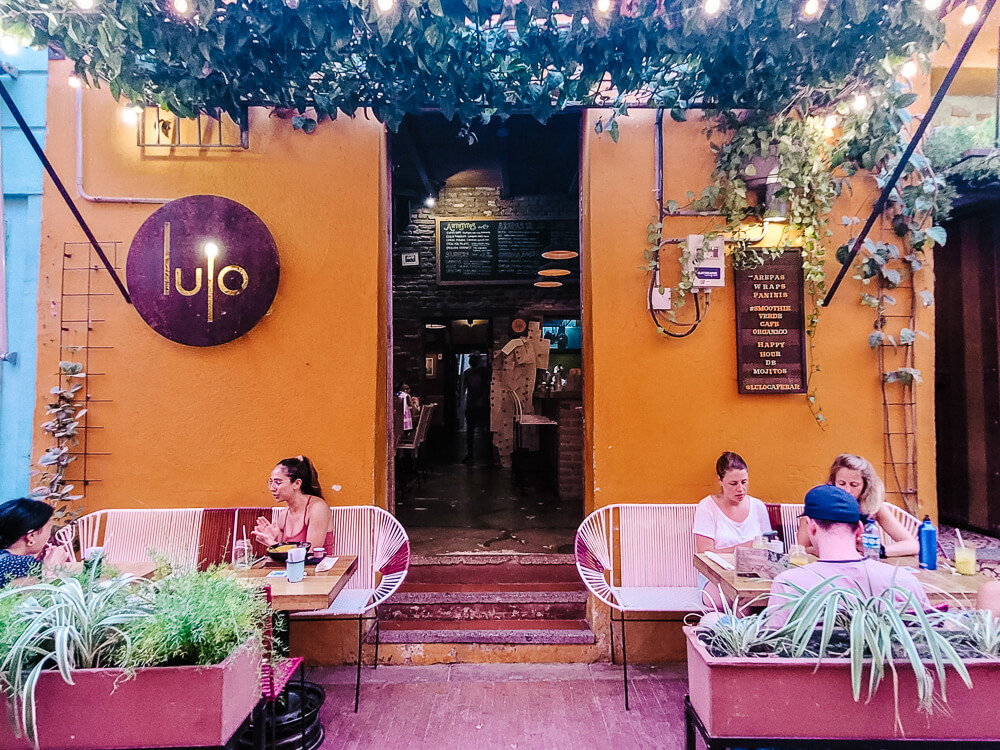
(857, 476)
(25, 530)
(833, 522)
(307, 517)
(730, 518)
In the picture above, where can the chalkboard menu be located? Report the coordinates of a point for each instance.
(498, 251)
(770, 327)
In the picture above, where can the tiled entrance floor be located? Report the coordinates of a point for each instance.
(504, 706)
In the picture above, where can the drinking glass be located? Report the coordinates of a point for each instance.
(965, 559)
(241, 553)
(797, 555)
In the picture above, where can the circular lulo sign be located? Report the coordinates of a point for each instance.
(202, 270)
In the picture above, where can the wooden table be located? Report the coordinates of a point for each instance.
(314, 591)
(942, 586)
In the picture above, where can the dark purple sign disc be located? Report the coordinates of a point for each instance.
(202, 270)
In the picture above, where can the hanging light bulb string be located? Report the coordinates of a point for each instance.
(904, 159)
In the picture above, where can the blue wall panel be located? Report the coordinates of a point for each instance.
(22, 195)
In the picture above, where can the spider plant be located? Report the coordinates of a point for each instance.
(72, 623)
(877, 630)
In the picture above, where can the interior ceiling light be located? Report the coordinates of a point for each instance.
(435, 326)
(603, 6)
(909, 69)
(560, 254)
(430, 201)
(712, 7)
(811, 8)
(970, 14)
(547, 283)
(552, 269)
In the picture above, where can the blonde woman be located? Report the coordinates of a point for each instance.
(856, 475)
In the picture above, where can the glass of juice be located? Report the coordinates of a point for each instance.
(965, 559)
(797, 555)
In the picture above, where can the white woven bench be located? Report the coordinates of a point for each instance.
(637, 558)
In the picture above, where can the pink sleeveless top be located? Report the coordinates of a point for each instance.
(301, 536)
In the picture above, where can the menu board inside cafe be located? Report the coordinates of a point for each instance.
(770, 326)
(498, 251)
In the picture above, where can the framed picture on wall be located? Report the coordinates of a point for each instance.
(410, 259)
(430, 367)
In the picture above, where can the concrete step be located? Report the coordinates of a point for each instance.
(486, 601)
(493, 568)
(505, 632)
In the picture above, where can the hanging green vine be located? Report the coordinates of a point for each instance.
(474, 58)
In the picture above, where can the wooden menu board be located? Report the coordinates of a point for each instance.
(498, 251)
(770, 327)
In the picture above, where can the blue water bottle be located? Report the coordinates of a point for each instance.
(927, 536)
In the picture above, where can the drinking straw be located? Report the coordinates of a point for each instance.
(961, 542)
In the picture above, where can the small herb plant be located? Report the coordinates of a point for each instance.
(83, 622)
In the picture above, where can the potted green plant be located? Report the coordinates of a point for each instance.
(121, 663)
(807, 677)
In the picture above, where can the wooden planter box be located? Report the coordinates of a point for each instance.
(158, 707)
(778, 698)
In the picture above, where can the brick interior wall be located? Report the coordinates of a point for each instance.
(417, 296)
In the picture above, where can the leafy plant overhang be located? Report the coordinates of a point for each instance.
(478, 59)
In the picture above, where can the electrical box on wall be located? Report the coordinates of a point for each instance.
(706, 261)
(659, 300)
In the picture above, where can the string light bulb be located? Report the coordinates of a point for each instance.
(84, 4)
(909, 69)
(831, 122)
(386, 5)
(811, 8)
(712, 7)
(933, 4)
(429, 202)
(181, 6)
(9, 45)
(970, 14)
(859, 103)
(603, 6)
(74, 81)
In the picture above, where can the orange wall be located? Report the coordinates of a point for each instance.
(659, 412)
(204, 426)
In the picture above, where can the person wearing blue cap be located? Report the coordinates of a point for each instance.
(833, 520)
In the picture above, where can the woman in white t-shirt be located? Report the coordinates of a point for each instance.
(730, 518)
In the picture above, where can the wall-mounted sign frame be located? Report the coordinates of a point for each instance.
(477, 250)
(202, 270)
(770, 327)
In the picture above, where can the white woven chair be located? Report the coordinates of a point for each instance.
(910, 522)
(790, 513)
(637, 558)
(141, 534)
(64, 538)
(382, 547)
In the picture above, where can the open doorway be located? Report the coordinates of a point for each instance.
(487, 360)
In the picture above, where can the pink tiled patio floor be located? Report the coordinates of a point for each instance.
(537, 706)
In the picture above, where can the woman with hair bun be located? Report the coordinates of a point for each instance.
(730, 518)
(307, 517)
(856, 475)
(25, 530)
